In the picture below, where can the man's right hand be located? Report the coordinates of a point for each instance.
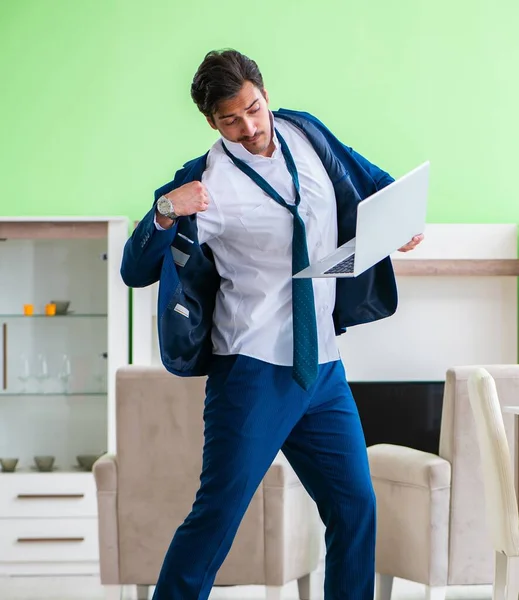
(187, 199)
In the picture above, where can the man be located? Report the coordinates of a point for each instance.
(275, 192)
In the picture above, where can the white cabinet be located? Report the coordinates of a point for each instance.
(48, 523)
(57, 383)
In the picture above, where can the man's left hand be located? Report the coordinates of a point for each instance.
(412, 244)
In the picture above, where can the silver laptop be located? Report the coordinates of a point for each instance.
(386, 221)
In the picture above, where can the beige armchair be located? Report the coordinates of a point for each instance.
(430, 509)
(146, 490)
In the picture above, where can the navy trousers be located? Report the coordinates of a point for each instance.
(252, 410)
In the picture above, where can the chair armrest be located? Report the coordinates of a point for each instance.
(281, 474)
(293, 530)
(409, 466)
(105, 475)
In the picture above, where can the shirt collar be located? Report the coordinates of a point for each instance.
(242, 153)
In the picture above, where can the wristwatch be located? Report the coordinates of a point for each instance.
(165, 208)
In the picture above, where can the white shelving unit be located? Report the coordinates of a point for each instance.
(57, 384)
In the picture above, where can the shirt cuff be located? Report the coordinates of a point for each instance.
(157, 226)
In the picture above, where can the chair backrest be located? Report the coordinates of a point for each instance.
(502, 514)
(159, 445)
(471, 555)
(160, 438)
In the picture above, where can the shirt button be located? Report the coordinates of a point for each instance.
(318, 245)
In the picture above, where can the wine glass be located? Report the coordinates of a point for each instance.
(100, 373)
(64, 373)
(24, 373)
(42, 372)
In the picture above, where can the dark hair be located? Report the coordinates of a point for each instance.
(220, 77)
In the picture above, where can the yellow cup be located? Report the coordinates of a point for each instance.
(50, 309)
(28, 310)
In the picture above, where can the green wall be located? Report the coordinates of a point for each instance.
(95, 107)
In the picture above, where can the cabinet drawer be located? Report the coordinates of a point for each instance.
(49, 540)
(43, 495)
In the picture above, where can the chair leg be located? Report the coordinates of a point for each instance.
(274, 592)
(498, 592)
(304, 587)
(112, 592)
(142, 592)
(512, 577)
(435, 593)
(383, 586)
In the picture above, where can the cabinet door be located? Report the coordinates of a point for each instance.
(53, 343)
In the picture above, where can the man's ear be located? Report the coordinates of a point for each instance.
(211, 122)
(266, 95)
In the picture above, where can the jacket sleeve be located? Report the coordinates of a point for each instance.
(144, 252)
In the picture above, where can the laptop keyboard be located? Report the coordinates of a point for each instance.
(345, 266)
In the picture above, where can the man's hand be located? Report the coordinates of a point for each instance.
(412, 244)
(187, 199)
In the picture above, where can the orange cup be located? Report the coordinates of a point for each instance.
(50, 309)
(28, 310)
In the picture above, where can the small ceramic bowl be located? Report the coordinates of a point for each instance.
(86, 461)
(8, 464)
(44, 463)
(61, 306)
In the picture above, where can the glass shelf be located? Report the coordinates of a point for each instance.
(50, 394)
(70, 315)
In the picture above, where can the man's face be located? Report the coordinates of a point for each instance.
(245, 119)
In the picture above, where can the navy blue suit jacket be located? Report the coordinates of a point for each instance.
(185, 333)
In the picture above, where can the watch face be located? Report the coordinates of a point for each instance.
(164, 206)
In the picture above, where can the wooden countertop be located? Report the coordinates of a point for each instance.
(505, 267)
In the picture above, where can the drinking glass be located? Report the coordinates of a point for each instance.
(64, 373)
(24, 372)
(42, 372)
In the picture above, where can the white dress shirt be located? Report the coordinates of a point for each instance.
(250, 236)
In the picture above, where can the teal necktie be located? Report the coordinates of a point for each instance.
(303, 306)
